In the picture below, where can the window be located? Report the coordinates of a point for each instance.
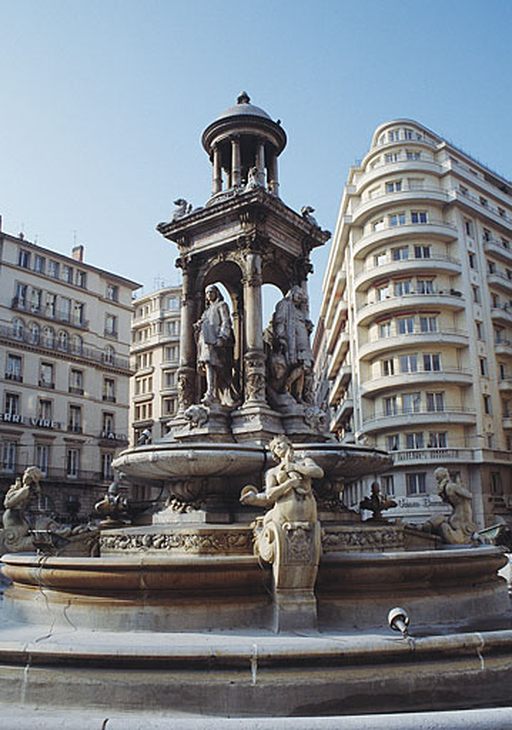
(479, 330)
(46, 375)
(382, 293)
(487, 405)
(419, 216)
(112, 292)
(425, 286)
(24, 258)
(471, 259)
(77, 344)
(378, 225)
(107, 473)
(380, 259)
(17, 328)
(34, 333)
(415, 183)
(402, 287)
(483, 201)
(391, 157)
(393, 135)
(491, 267)
(393, 442)
(170, 379)
(408, 363)
(173, 328)
(501, 212)
(62, 340)
(394, 187)
(411, 402)
(387, 485)
(414, 440)
(483, 366)
(437, 440)
(168, 406)
(81, 279)
(412, 155)
(428, 324)
(78, 313)
(110, 325)
(422, 252)
(67, 273)
(171, 353)
(11, 404)
(20, 296)
(400, 253)
(173, 303)
(405, 325)
(53, 269)
(385, 329)
(396, 219)
(487, 235)
(44, 409)
(39, 264)
(435, 402)
(9, 456)
(408, 133)
(387, 367)
(13, 369)
(416, 483)
(42, 457)
(48, 337)
(36, 298)
(496, 485)
(109, 355)
(431, 362)
(107, 425)
(468, 227)
(109, 390)
(73, 463)
(390, 406)
(76, 381)
(503, 371)
(75, 419)
(476, 294)
(65, 309)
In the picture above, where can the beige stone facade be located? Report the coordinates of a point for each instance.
(64, 371)
(155, 358)
(415, 331)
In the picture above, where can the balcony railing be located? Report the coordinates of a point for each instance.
(54, 315)
(17, 377)
(420, 260)
(84, 353)
(433, 454)
(75, 427)
(487, 206)
(75, 390)
(400, 413)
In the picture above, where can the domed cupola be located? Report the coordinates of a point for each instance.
(243, 144)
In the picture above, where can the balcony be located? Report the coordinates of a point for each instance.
(402, 166)
(474, 202)
(505, 385)
(433, 265)
(406, 302)
(502, 281)
(408, 457)
(44, 384)
(74, 428)
(496, 247)
(88, 354)
(434, 229)
(446, 336)
(429, 378)
(400, 198)
(17, 377)
(75, 390)
(503, 346)
(383, 421)
(338, 355)
(502, 313)
(53, 315)
(340, 383)
(108, 398)
(343, 413)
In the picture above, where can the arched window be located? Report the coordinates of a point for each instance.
(63, 340)
(18, 327)
(77, 344)
(48, 337)
(35, 333)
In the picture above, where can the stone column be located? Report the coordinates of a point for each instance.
(186, 370)
(273, 175)
(236, 170)
(254, 359)
(216, 171)
(260, 162)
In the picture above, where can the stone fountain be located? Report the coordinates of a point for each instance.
(218, 609)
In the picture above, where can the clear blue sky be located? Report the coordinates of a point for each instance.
(104, 102)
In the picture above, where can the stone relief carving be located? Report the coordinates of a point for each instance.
(357, 538)
(215, 341)
(196, 415)
(185, 387)
(459, 527)
(188, 542)
(16, 535)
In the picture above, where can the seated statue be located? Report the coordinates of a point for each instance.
(16, 535)
(458, 528)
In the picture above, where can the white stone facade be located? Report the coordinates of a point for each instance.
(64, 370)
(155, 358)
(415, 329)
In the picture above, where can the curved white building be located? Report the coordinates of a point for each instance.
(416, 323)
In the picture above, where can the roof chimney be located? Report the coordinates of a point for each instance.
(77, 253)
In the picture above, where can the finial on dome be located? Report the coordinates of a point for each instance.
(243, 98)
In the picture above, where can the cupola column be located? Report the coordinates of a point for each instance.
(260, 161)
(217, 171)
(187, 367)
(273, 176)
(254, 361)
(236, 171)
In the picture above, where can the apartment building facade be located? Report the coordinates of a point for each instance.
(64, 375)
(154, 359)
(415, 333)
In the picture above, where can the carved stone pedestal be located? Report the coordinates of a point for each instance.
(294, 610)
(255, 422)
(202, 423)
